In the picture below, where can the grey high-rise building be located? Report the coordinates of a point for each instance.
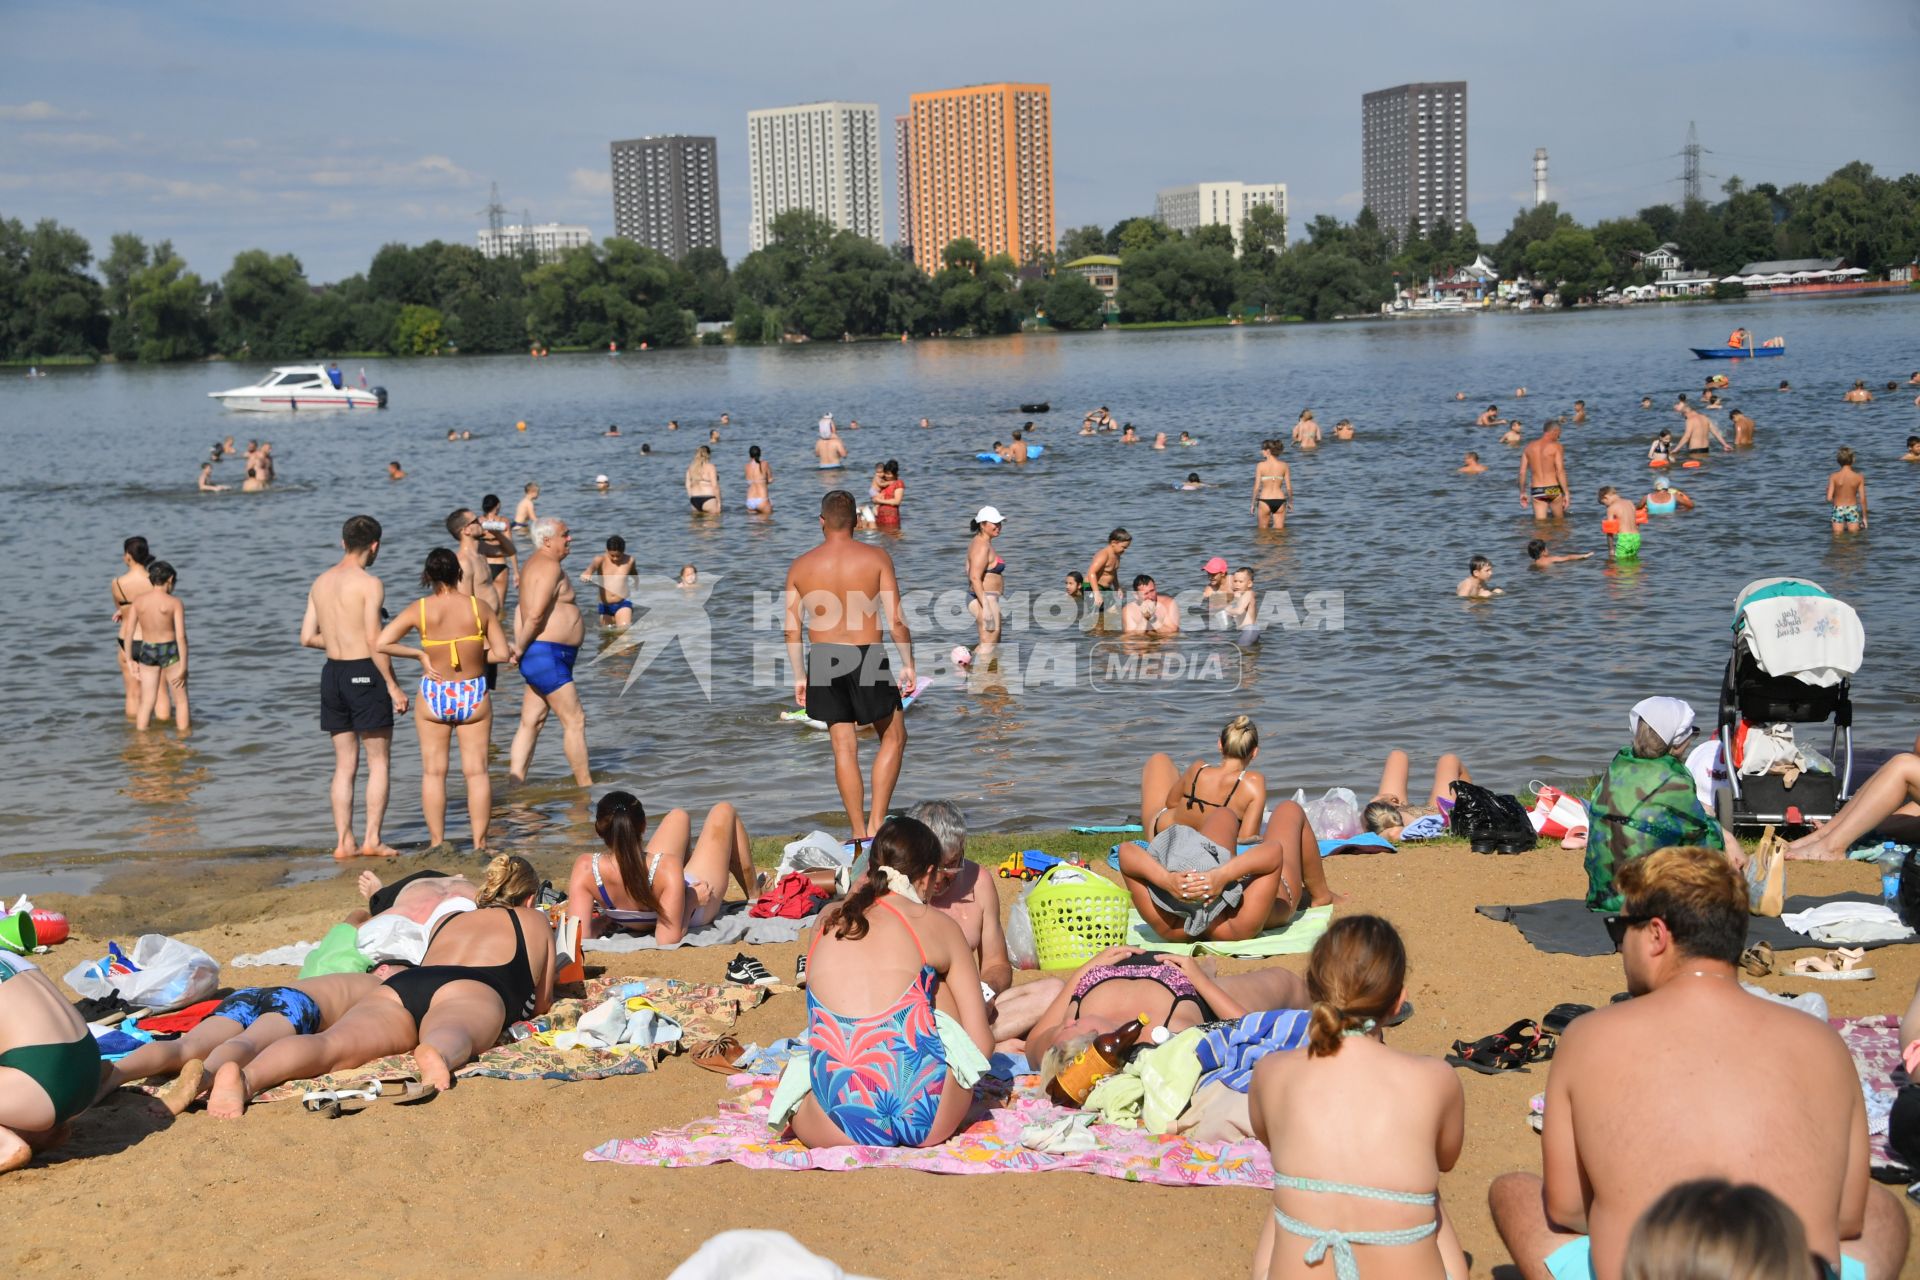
(666, 193)
(1413, 155)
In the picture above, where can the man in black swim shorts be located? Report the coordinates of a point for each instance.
(837, 591)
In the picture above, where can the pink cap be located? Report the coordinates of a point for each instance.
(1216, 565)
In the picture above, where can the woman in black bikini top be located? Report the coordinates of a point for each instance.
(1168, 796)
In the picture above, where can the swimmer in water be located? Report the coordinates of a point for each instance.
(1272, 487)
(1474, 585)
(609, 571)
(1306, 432)
(759, 482)
(1665, 499)
(1858, 393)
(613, 429)
(1579, 411)
(206, 480)
(1186, 440)
(524, 515)
(1193, 482)
(1160, 440)
(1459, 395)
(830, 450)
(1473, 466)
(673, 424)
(1076, 584)
(703, 483)
(689, 576)
(1519, 391)
(1017, 451)
(1127, 435)
(1913, 450)
(1538, 558)
(1620, 524)
(927, 425)
(1784, 385)
(602, 483)
(1512, 434)
(1490, 417)
(394, 471)
(153, 631)
(1846, 494)
(1103, 572)
(1661, 450)
(1742, 429)
(1343, 429)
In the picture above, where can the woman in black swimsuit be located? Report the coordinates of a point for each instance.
(1224, 801)
(483, 969)
(986, 578)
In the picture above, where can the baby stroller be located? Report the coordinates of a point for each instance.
(1795, 652)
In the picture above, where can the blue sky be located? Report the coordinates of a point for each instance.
(228, 127)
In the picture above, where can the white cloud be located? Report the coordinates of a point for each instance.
(590, 182)
(68, 140)
(37, 110)
(426, 171)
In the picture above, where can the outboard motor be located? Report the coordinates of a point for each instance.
(380, 394)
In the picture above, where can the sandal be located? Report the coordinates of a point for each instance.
(1758, 959)
(1509, 1050)
(717, 1055)
(1842, 965)
(334, 1103)
(1560, 1015)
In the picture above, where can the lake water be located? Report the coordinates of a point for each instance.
(1534, 685)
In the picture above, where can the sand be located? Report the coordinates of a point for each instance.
(489, 1180)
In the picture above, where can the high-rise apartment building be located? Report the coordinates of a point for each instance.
(903, 180)
(981, 166)
(1205, 204)
(666, 193)
(824, 156)
(546, 241)
(1413, 155)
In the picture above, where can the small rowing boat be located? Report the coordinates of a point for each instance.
(1736, 353)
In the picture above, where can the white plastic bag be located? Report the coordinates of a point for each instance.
(1334, 816)
(172, 975)
(1021, 947)
(815, 849)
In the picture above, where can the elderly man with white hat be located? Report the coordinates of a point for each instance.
(1647, 800)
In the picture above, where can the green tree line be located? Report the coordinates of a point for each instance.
(141, 301)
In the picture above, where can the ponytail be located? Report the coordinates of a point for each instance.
(510, 879)
(1356, 973)
(621, 821)
(902, 844)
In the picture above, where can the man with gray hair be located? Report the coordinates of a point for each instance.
(547, 631)
(965, 892)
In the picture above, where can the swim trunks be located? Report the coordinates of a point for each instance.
(453, 701)
(353, 697)
(1574, 1261)
(1849, 514)
(610, 608)
(1546, 492)
(849, 683)
(1626, 546)
(167, 652)
(249, 1004)
(547, 666)
(1700, 448)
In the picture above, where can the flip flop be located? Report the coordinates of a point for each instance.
(718, 1055)
(1758, 959)
(1841, 965)
(1560, 1015)
(334, 1103)
(1509, 1050)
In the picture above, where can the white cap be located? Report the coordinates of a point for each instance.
(989, 515)
(600, 479)
(1671, 718)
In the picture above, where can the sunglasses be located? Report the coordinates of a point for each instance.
(1617, 927)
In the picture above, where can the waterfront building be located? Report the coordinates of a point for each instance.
(822, 156)
(1205, 204)
(1413, 156)
(1102, 271)
(546, 241)
(666, 193)
(981, 166)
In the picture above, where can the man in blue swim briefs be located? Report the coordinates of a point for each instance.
(609, 571)
(838, 591)
(358, 695)
(1694, 1078)
(547, 612)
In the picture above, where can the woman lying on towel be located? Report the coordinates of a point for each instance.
(666, 885)
(896, 1027)
(483, 969)
(1173, 991)
(1359, 1133)
(49, 1063)
(1389, 813)
(1190, 884)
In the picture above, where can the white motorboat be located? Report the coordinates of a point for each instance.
(306, 386)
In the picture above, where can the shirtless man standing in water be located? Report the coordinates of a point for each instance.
(358, 695)
(1698, 430)
(547, 631)
(1272, 487)
(838, 591)
(1103, 572)
(1544, 463)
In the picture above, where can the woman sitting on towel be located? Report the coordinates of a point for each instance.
(49, 1063)
(1647, 800)
(893, 997)
(1359, 1133)
(1223, 801)
(1173, 991)
(666, 885)
(1389, 814)
(483, 969)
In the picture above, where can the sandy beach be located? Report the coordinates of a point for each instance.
(489, 1179)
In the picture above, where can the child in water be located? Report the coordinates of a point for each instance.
(1473, 465)
(1474, 585)
(1620, 525)
(689, 576)
(1537, 554)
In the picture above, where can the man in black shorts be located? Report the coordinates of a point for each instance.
(358, 694)
(839, 590)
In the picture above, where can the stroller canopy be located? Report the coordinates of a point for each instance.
(1792, 627)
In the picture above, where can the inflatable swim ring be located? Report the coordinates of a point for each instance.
(1688, 466)
(1657, 462)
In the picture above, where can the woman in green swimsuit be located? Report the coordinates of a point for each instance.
(49, 1063)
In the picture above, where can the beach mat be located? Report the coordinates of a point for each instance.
(705, 1011)
(731, 927)
(1365, 842)
(1874, 1043)
(1296, 937)
(1564, 927)
(989, 1144)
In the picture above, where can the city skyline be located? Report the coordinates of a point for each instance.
(181, 123)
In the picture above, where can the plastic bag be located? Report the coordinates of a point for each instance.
(1021, 947)
(1334, 816)
(171, 975)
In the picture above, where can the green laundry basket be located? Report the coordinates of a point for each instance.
(1073, 922)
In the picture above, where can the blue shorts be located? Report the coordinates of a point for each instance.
(1574, 1261)
(547, 666)
(249, 1004)
(609, 608)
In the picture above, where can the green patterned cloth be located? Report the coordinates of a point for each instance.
(1638, 806)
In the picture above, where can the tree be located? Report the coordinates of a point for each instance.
(1072, 303)
(1137, 234)
(126, 259)
(1571, 259)
(1621, 242)
(1263, 233)
(167, 309)
(1664, 219)
(1702, 243)
(709, 289)
(1082, 242)
(49, 305)
(1179, 279)
(963, 255)
(1530, 226)
(259, 295)
(417, 331)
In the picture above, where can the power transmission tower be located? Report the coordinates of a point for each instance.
(495, 213)
(1690, 165)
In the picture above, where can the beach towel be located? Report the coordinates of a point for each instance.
(989, 1143)
(1179, 849)
(1566, 928)
(1296, 937)
(1228, 1051)
(704, 1011)
(731, 926)
(1365, 842)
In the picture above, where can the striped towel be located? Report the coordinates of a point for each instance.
(1229, 1050)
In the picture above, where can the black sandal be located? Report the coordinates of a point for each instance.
(1509, 1050)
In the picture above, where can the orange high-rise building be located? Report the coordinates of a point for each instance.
(981, 166)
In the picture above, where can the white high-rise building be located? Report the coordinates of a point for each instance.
(545, 240)
(823, 156)
(1204, 204)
